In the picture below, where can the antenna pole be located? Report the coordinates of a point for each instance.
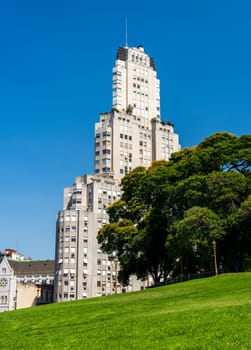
(126, 32)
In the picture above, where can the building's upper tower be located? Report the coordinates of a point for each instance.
(135, 84)
(133, 134)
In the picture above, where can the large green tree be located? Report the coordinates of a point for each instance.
(177, 208)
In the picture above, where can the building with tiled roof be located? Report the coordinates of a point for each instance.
(25, 283)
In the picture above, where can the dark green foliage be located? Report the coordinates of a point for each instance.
(177, 208)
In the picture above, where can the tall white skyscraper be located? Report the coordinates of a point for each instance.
(130, 135)
(135, 84)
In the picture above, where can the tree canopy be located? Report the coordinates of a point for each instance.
(178, 208)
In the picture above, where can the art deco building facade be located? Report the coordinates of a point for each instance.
(131, 135)
(135, 83)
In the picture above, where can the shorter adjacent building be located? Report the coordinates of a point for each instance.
(8, 286)
(25, 283)
(12, 254)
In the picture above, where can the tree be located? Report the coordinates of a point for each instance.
(194, 235)
(177, 208)
(140, 245)
(129, 109)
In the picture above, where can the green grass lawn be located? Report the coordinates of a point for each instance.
(211, 313)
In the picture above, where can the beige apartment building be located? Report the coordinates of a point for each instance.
(131, 135)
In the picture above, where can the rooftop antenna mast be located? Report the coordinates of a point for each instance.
(126, 32)
(126, 62)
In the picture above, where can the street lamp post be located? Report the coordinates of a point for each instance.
(179, 260)
(115, 259)
(116, 274)
(215, 258)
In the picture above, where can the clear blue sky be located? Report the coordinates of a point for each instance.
(56, 59)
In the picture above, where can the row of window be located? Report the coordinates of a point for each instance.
(4, 299)
(105, 151)
(164, 145)
(140, 71)
(104, 134)
(136, 94)
(103, 284)
(144, 135)
(71, 295)
(126, 137)
(140, 59)
(104, 170)
(77, 192)
(76, 201)
(104, 143)
(140, 104)
(109, 192)
(70, 229)
(140, 79)
(116, 81)
(104, 262)
(126, 170)
(125, 145)
(68, 239)
(104, 161)
(124, 119)
(68, 218)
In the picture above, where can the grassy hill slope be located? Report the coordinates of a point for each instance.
(212, 313)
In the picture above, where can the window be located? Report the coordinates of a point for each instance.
(106, 133)
(106, 160)
(4, 299)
